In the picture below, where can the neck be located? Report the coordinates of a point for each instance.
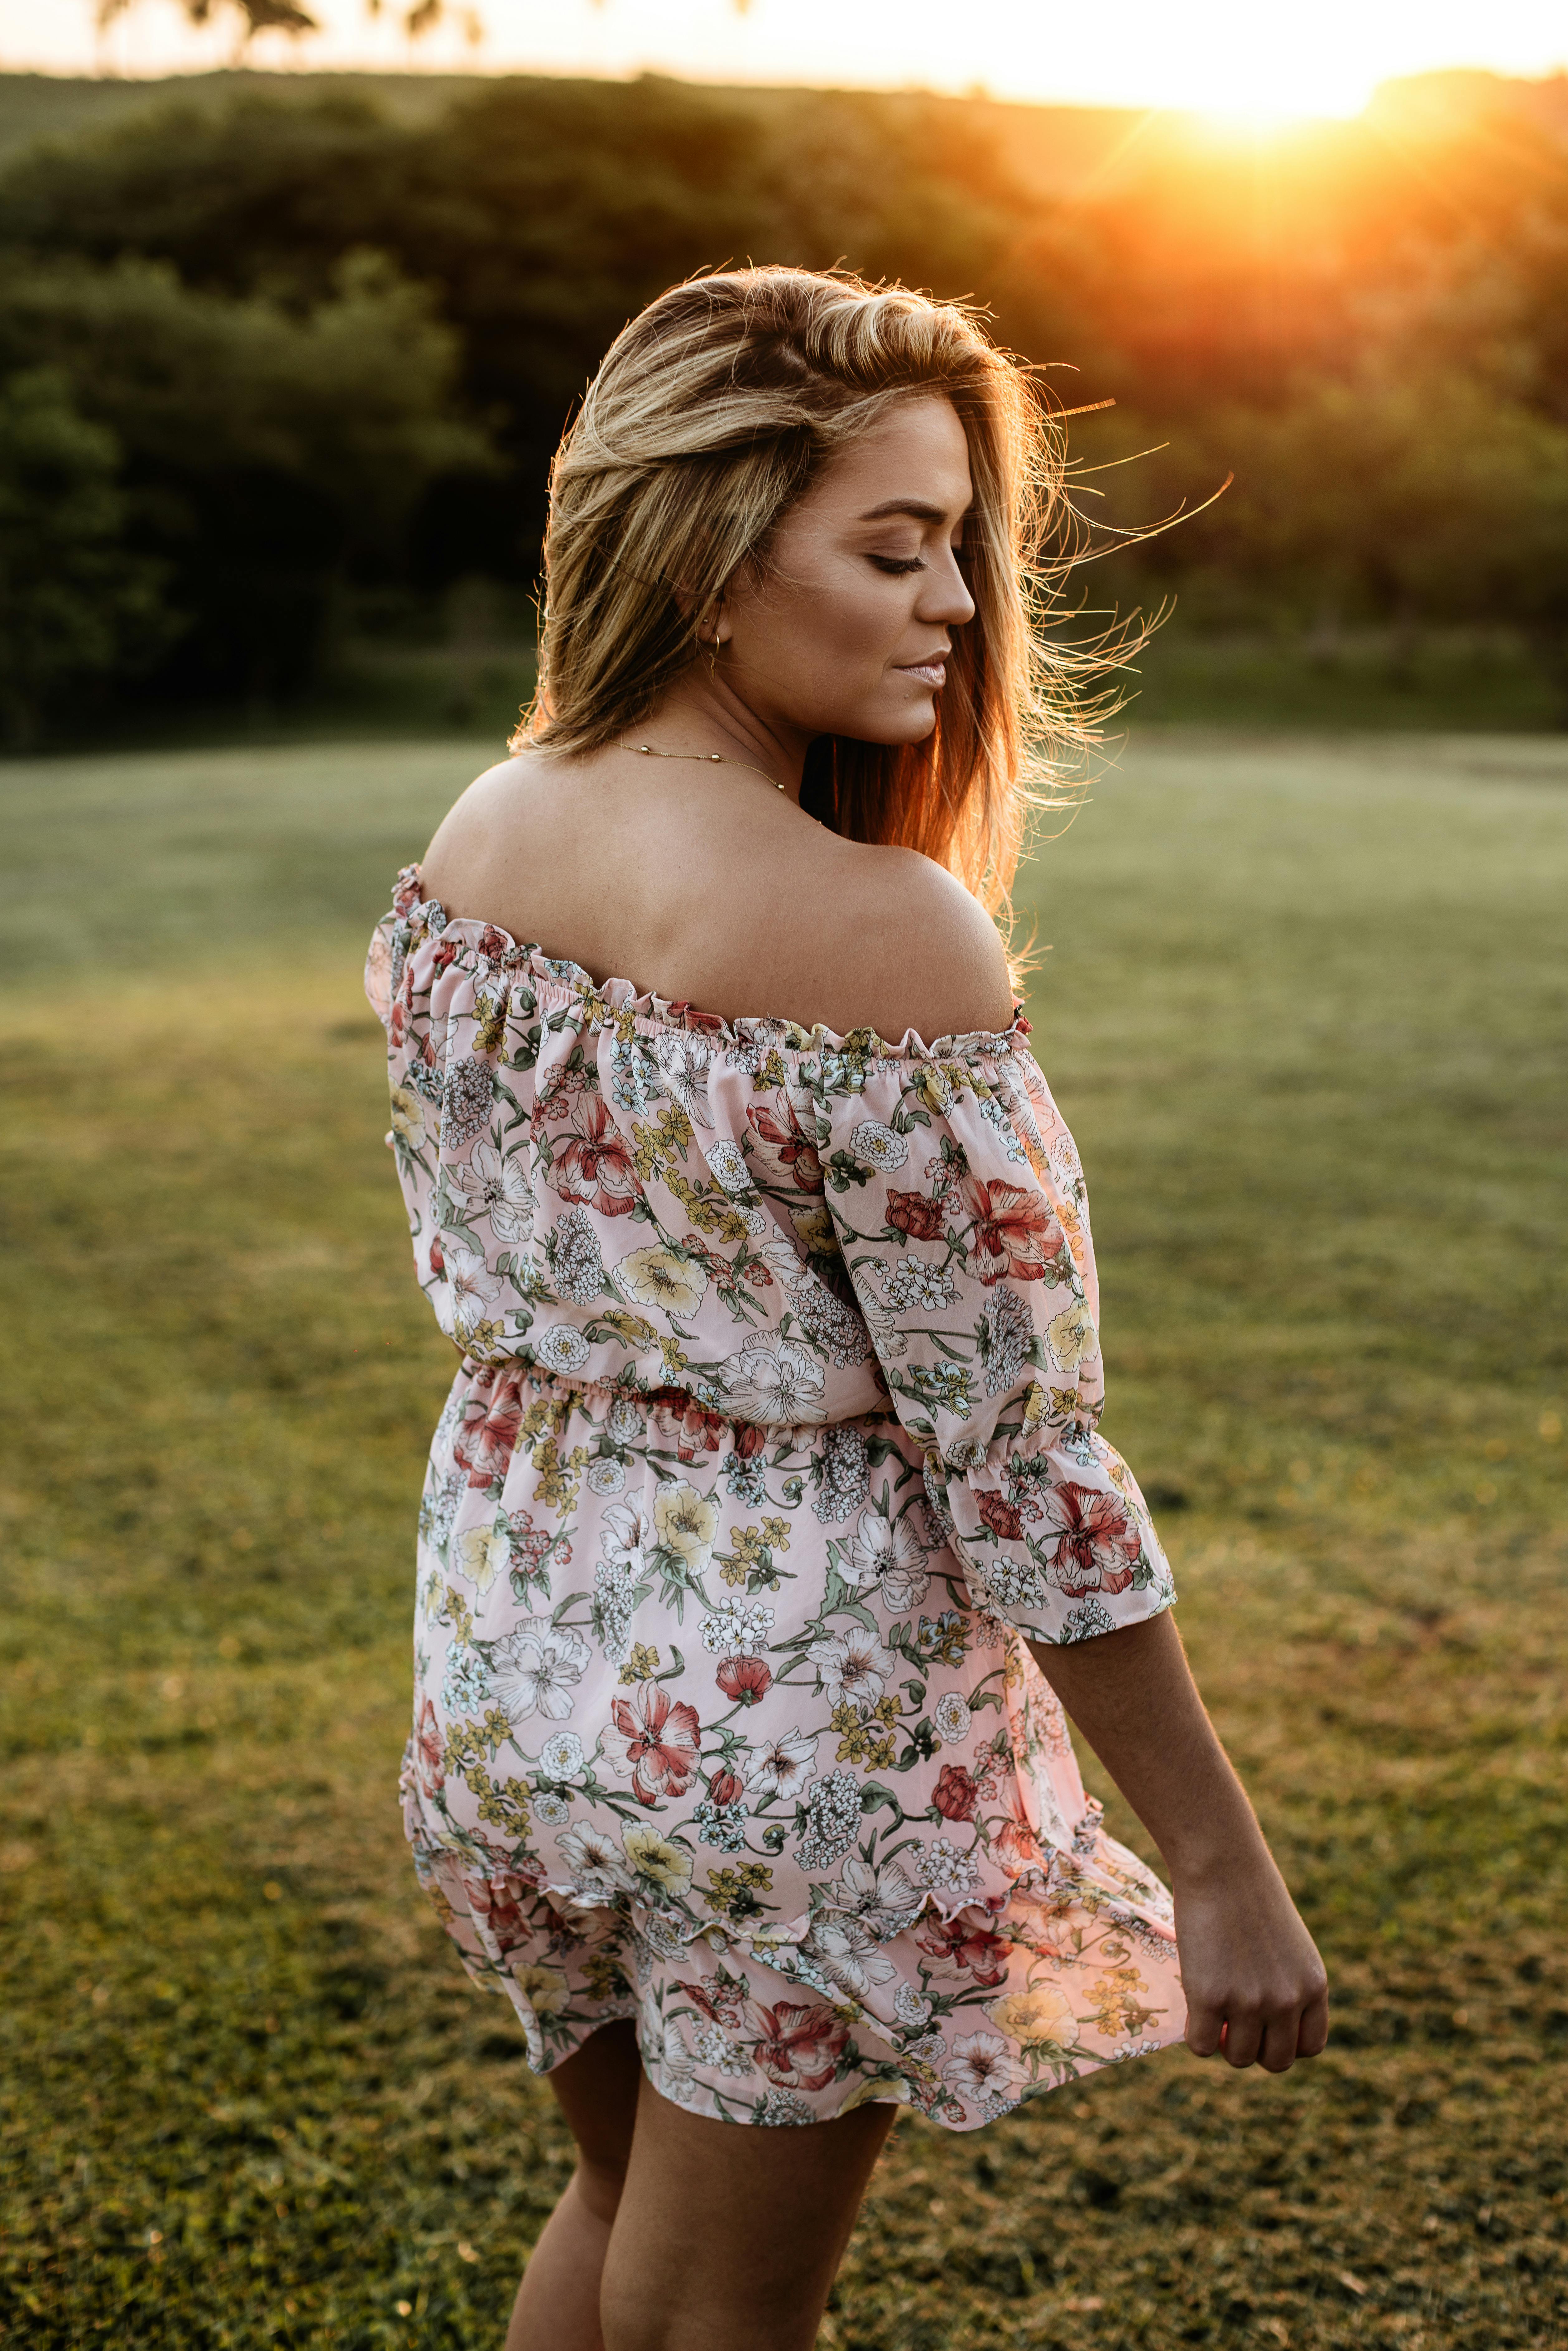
(707, 715)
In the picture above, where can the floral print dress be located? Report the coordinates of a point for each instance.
(774, 1436)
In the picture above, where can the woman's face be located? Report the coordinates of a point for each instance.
(846, 632)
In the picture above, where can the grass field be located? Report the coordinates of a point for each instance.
(1305, 1011)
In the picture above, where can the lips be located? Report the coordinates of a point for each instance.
(931, 673)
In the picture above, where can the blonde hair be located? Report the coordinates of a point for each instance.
(712, 413)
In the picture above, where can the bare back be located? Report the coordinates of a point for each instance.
(710, 887)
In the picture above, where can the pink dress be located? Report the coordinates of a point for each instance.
(774, 1433)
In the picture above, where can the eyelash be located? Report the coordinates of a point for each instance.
(898, 565)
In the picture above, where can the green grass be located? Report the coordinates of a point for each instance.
(1304, 1008)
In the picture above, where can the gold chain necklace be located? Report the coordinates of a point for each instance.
(718, 760)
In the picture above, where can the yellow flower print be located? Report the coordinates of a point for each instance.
(642, 1664)
(544, 1989)
(1115, 2005)
(1072, 1338)
(652, 1856)
(408, 1116)
(816, 1229)
(1035, 2018)
(687, 1522)
(658, 1277)
(479, 1554)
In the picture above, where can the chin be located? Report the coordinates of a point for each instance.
(893, 728)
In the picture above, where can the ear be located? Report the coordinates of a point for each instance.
(714, 624)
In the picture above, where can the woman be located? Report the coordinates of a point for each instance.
(767, 1530)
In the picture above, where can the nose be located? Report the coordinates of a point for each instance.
(944, 598)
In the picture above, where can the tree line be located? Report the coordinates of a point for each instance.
(261, 358)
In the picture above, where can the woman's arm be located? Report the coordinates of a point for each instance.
(1256, 1988)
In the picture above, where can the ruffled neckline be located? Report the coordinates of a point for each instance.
(488, 943)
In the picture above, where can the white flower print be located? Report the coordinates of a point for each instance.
(738, 1628)
(534, 1666)
(911, 1286)
(943, 1868)
(471, 1287)
(891, 1554)
(727, 1162)
(558, 1346)
(684, 1064)
(495, 1186)
(782, 1766)
(911, 2007)
(853, 1667)
(607, 1476)
(714, 2047)
(885, 1898)
(845, 1951)
(982, 2070)
(872, 1145)
(594, 1862)
(772, 1379)
(625, 1420)
(625, 1537)
(950, 1717)
(551, 1810)
(560, 1757)
(480, 1553)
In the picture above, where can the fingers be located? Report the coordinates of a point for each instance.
(1312, 2037)
(1272, 2037)
(1205, 2027)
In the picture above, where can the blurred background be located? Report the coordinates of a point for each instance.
(295, 301)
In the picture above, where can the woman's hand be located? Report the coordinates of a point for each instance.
(1256, 1989)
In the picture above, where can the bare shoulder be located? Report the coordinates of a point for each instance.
(917, 948)
(719, 895)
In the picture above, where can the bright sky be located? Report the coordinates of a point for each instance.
(1249, 57)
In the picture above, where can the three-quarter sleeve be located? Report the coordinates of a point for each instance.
(958, 1200)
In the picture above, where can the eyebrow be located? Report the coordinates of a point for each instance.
(919, 507)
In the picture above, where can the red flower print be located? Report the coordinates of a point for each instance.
(750, 1436)
(1016, 1847)
(955, 1793)
(792, 1148)
(437, 1255)
(970, 1949)
(1015, 1232)
(689, 1016)
(428, 1744)
(493, 943)
(1000, 1516)
(720, 1998)
(678, 1414)
(445, 953)
(594, 1165)
(397, 1021)
(724, 1788)
(799, 2048)
(1096, 1545)
(912, 1213)
(484, 1442)
(745, 1680)
(495, 1905)
(657, 1740)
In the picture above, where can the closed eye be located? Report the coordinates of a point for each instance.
(897, 564)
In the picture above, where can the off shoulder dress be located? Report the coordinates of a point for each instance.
(774, 1434)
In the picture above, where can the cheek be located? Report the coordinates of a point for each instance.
(850, 621)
